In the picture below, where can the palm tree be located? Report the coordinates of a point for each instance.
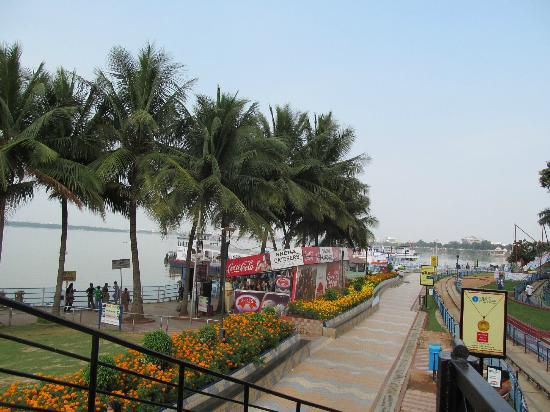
(74, 138)
(234, 162)
(143, 109)
(22, 117)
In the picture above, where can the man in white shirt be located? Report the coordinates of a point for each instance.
(528, 293)
(497, 279)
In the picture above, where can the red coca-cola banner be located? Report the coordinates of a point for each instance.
(247, 265)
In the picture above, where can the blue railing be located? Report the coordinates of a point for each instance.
(454, 329)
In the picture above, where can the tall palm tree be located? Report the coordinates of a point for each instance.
(234, 162)
(75, 139)
(143, 108)
(22, 116)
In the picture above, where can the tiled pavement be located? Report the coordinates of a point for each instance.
(347, 373)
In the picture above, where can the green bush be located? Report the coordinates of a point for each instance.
(269, 311)
(358, 283)
(106, 377)
(207, 334)
(332, 294)
(159, 341)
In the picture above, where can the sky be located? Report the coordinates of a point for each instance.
(451, 100)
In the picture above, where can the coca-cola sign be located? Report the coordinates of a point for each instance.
(283, 282)
(247, 265)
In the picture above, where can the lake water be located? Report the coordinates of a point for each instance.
(30, 257)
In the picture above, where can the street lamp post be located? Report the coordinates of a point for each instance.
(457, 266)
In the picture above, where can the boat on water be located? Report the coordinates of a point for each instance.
(402, 256)
(498, 251)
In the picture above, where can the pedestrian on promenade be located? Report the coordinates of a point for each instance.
(125, 299)
(105, 293)
(97, 295)
(116, 293)
(69, 298)
(528, 293)
(90, 295)
(505, 385)
(497, 278)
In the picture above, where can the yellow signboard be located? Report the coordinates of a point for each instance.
(427, 275)
(483, 321)
(69, 276)
(434, 261)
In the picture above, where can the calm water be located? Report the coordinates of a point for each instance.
(30, 257)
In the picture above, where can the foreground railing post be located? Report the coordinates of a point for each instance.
(93, 373)
(246, 397)
(298, 406)
(181, 385)
(447, 395)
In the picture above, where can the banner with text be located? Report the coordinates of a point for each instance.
(427, 275)
(247, 265)
(286, 258)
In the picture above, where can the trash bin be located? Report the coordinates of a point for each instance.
(433, 353)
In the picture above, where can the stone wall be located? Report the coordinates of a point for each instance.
(308, 327)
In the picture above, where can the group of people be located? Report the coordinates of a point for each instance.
(98, 295)
(263, 283)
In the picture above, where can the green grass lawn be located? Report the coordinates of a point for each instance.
(32, 360)
(509, 285)
(433, 325)
(530, 315)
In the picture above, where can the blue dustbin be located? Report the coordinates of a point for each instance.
(433, 353)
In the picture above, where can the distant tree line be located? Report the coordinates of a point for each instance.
(127, 140)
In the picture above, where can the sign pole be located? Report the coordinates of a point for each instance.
(426, 299)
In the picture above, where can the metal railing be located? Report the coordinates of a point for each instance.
(44, 297)
(453, 327)
(460, 386)
(182, 391)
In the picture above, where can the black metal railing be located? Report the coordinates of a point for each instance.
(92, 390)
(460, 387)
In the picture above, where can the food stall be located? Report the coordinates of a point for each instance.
(277, 278)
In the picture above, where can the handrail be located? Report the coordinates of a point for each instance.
(96, 335)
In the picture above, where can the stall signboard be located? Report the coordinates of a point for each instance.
(247, 265)
(283, 283)
(333, 275)
(278, 301)
(310, 255)
(434, 261)
(111, 314)
(203, 303)
(69, 276)
(483, 322)
(337, 254)
(325, 255)
(306, 277)
(427, 275)
(248, 301)
(286, 258)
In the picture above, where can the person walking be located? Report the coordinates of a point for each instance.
(116, 293)
(125, 299)
(90, 295)
(69, 298)
(528, 293)
(97, 295)
(497, 278)
(105, 293)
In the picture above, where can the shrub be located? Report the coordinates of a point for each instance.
(270, 311)
(358, 283)
(159, 341)
(106, 377)
(208, 335)
(332, 294)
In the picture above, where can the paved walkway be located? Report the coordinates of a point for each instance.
(349, 372)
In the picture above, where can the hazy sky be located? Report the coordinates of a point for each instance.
(450, 99)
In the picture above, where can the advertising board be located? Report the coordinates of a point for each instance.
(427, 275)
(483, 321)
(286, 258)
(111, 314)
(247, 265)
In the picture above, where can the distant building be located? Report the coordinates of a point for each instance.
(470, 240)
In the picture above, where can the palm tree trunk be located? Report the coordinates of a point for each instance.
(286, 237)
(2, 222)
(273, 241)
(264, 241)
(137, 304)
(224, 252)
(62, 252)
(186, 286)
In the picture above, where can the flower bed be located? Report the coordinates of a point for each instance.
(247, 336)
(334, 302)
